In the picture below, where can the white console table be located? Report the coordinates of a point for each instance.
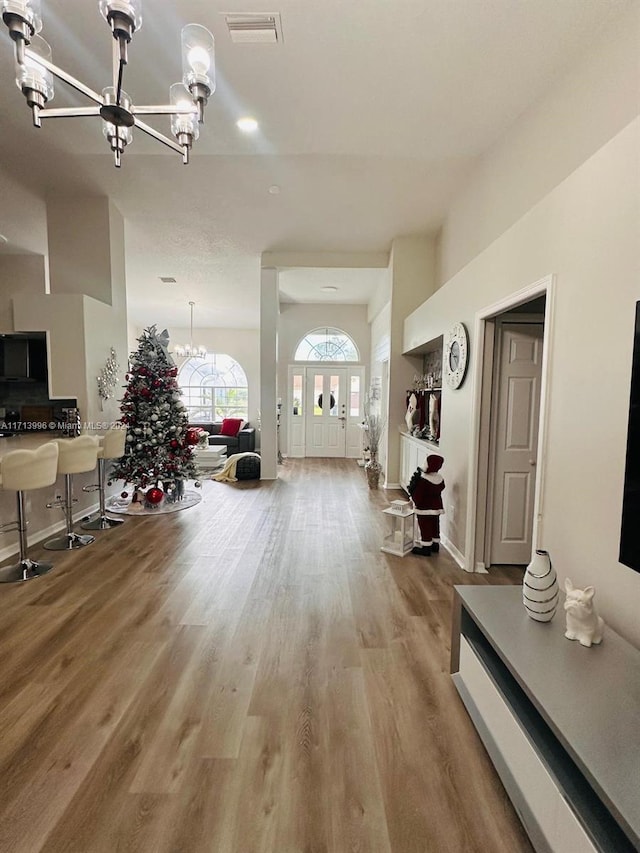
(560, 722)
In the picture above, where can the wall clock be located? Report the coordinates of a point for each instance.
(456, 354)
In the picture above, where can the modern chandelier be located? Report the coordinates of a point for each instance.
(188, 350)
(35, 72)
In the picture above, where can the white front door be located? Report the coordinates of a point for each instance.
(516, 441)
(326, 411)
(314, 430)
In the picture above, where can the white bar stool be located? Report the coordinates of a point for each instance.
(24, 470)
(112, 446)
(75, 456)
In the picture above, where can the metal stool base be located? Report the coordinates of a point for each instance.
(102, 522)
(25, 570)
(68, 542)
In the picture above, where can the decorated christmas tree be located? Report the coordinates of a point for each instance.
(159, 444)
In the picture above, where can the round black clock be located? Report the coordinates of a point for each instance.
(456, 352)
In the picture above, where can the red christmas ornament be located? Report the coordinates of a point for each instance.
(154, 495)
(173, 443)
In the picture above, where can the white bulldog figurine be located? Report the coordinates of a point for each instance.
(583, 623)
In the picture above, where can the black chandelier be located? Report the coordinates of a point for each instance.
(35, 72)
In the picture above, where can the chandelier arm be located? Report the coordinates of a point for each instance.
(62, 75)
(159, 136)
(163, 109)
(69, 112)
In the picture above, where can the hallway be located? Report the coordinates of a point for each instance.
(251, 674)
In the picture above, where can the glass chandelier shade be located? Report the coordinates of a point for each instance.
(35, 73)
(34, 78)
(183, 123)
(131, 10)
(198, 63)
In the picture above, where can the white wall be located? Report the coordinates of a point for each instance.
(23, 219)
(380, 327)
(105, 321)
(586, 233)
(62, 317)
(412, 270)
(596, 99)
(79, 232)
(584, 229)
(296, 320)
(81, 329)
(19, 274)
(241, 344)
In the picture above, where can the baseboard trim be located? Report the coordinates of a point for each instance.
(451, 548)
(46, 533)
(395, 486)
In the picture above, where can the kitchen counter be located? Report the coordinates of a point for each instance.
(26, 441)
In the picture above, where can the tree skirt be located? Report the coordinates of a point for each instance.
(124, 506)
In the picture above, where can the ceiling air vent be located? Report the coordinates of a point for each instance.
(263, 28)
(167, 279)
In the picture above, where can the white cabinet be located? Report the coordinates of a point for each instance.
(413, 452)
(559, 721)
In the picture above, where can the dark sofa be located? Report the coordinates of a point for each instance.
(243, 442)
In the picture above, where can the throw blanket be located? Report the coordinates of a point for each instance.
(228, 473)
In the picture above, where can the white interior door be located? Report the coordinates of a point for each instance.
(326, 411)
(516, 414)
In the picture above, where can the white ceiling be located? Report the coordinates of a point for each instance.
(371, 115)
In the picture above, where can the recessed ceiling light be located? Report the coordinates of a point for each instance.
(247, 124)
(274, 189)
(329, 288)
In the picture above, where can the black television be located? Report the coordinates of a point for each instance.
(630, 531)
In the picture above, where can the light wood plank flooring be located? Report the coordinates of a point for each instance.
(252, 674)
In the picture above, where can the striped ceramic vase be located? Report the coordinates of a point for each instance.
(540, 591)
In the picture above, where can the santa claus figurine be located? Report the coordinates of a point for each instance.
(426, 488)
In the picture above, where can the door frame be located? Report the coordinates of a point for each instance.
(477, 491)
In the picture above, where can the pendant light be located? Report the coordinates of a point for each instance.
(189, 350)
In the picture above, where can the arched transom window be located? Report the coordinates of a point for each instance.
(326, 344)
(213, 388)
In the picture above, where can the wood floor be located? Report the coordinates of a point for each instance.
(252, 674)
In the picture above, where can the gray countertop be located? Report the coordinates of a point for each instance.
(589, 697)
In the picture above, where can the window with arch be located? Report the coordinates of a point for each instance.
(213, 388)
(326, 344)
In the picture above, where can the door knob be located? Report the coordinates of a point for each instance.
(532, 462)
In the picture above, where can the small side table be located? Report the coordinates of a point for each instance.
(399, 539)
(210, 457)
